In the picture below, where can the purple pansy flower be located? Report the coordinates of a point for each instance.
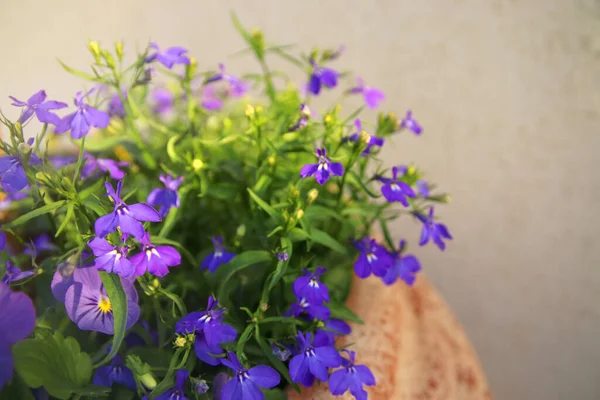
(38, 105)
(81, 121)
(236, 87)
(112, 259)
(177, 392)
(169, 57)
(41, 244)
(313, 310)
(115, 107)
(163, 101)
(373, 258)
(17, 321)
(218, 257)
(309, 287)
(93, 164)
(125, 217)
(371, 95)
(404, 267)
(394, 190)
(321, 77)
(423, 188)
(14, 273)
(312, 361)
(88, 305)
(63, 276)
(335, 327)
(351, 377)
(156, 260)
(12, 173)
(432, 230)
(246, 383)
(411, 124)
(373, 140)
(167, 197)
(116, 372)
(322, 169)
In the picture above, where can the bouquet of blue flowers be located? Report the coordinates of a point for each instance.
(188, 241)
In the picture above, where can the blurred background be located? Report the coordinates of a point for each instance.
(507, 92)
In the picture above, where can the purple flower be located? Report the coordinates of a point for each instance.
(12, 174)
(322, 168)
(17, 321)
(112, 259)
(115, 107)
(59, 162)
(404, 267)
(321, 77)
(373, 258)
(201, 387)
(2, 240)
(282, 256)
(38, 105)
(310, 288)
(81, 121)
(409, 122)
(351, 377)
(236, 87)
(335, 327)
(163, 100)
(395, 190)
(314, 311)
(312, 361)
(373, 140)
(156, 260)
(88, 305)
(63, 276)
(41, 244)
(116, 372)
(169, 57)
(167, 197)
(125, 217)
(371, 95)
(209, 98)
(432, 230)
(246, 383)
(423, 188)
(282, 353)
(177, 392)
(218, 257)
(14, 274)
(218, 384)
(103, 164)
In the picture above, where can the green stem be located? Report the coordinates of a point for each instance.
(268, 79)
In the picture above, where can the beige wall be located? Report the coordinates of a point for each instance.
(508, 94)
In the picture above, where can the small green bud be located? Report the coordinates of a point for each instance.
(119, 50)
(148, 381)
(365, 138)
(197, 164)
(264, 307)
(271, 160)
(94, 48)
(24, 148)
(190, 69)
(295, 193)
(312, 195)
(250, 111)
(241, 230)
(109, 59)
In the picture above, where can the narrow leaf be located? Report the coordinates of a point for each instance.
(68, 216)
(78, 73)
(325, 239)
(355, 179)
(35, 213)
(118, 300)
(265, 206)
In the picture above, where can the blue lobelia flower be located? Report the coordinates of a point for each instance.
(163, 101)
(423, 188)
(125, 217)
(373, 258)
(14, 273)
(218, 257)
(395, 190)
(246, 383)
(411, 124)
(201, 387)
(177, 392)
(155, 260)
(112, 259)
(115, 107)
(432, 230)
(166, 197)
(42, 243)
(81, 121)
(12, 173)
(218, 384)
(282, 352)
(373, 140)
(169, 57)
(404, 267)
(322, 169)
(92, 165)
(38, 105)
(321, 77)
(351, 377)
(116, 372)
(309, 287)
(313, 310)
(335, 327)
(312, 361)
(371, 95)
(236, 87)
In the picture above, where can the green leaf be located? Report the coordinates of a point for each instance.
(68, 216)
(318, 212)
(35, 213)
(135, 111)
(106, 143)
(93, 391)
(238, 26)
(340, 311)
(265, 206)
(222, 191)
(118, 300)
(85, 193)
(298, 235)
(274, 231)
(171, 149)
(276, 362)
(92, 204)
(353, 116)
(386, 234)
(240, 262)
(355, 179)
(78, 73)
(274, 394)
(325, 239)
(53, 362)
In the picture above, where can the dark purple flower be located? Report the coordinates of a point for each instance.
(112, 259)
(177, 392)
(218, 384)
(404, 267)
(163, 100)
(236, 87)
(312, 361)
(167, 197)
(201, 387)
(155, 260)
(2, 240)
(38, 105)
(321, 77)
(116, 372)
(314, 311)
(282, 256)
(115, 107)
(373, 258)
(42, 243)
(394, 190)
(281, 352)
(322, 169)
(12, 173)
(125, 217)
(81, 121)
(14, 274)
(333, 328)
(63, 276)
(88, 305)
(169, 57)
(423, 188)
(371, 95)
(373, 140)
(411, 124)
(218, 257)
(205, 351)
(93, 164)
(17, 321)
(246, 383)
(351, 377)
(432, 230)
(309, 287)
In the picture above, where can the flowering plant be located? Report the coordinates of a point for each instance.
(196, 243)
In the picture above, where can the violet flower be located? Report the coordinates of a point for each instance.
(38, 105)
(12, 174)
(209, 98)
(115, 107)
(112, 259)
(322, 169)
(88, 305)
(2, 240)
(312, 361)
(236, 87)
(59, 162)
(155, 260)
(371, 95)
(432, 230)
(351, 377)
(17, 321)
(218, 257)
(63, 276)
(373, 258)
(404, 267)
(177, 392)
(169, 57)
(282, 256)
(246, 383)
(313, 310)
(423, 188)
(125, 217)
(335, 327)
(116, 372)
(309, 287)
(14, 273)
(394, 190)
(93, 164)
(81, 121)
(201, 387)
(163, 100)
(42, 243)
(321, 77)
(282, 353)
(411, 124)
(167, 197)
(218, 384)
(373, 140)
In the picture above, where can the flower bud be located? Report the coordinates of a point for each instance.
(180, 341)
(299, 214)
(410, 170)
(295, 193)
(365, 138)
(271, 160)
(305, 111)
(259, 109)
(119, 50)
(312, 195)
(264, 307)
(197, 164)
(201, 387)
(24, 148)
(190, 69)
(94, 48)
(445, 198)
(328, 120)
(109, 59)
(148, 381)
(250, 111)
(241, 230)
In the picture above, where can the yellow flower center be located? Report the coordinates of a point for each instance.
(104, 305)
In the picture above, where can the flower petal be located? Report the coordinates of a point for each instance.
(264, 376)
(37, 98)
(308, 170)
(6, 364)
(17, 318)
(366, 376)
(106, 224)
(232, 390)
(329, 356)
(144, 212)
(336, 168)
(339, 382)
(299, 370)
